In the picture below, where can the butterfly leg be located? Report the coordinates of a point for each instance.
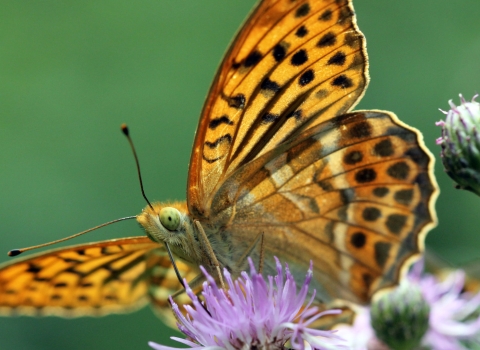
(210, 251)
(262, 254)
(251, 248)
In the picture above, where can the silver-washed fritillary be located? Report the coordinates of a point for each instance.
(278, 154)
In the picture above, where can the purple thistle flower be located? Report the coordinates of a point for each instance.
(454, 316)
(252, 314)
(454, 320)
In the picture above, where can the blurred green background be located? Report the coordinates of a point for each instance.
(72, 71)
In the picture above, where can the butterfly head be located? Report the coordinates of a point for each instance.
(168, 223)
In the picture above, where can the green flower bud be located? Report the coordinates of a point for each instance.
(400, 318)
(460, 144)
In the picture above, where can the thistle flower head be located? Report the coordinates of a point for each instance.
(400, 318)
(252, 314)
(460, 142)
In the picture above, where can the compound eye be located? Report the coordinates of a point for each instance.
(170, 218)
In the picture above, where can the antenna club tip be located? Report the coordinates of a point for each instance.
(14, 252)
(124, 129)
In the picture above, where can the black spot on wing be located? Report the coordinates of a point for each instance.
(238, 101)
(33, 268)
(279, 52)
(299, 58)
(326, 15)
(306, 78)
(338, 59)
(303, 10)
(358, 239)
(218, 121)
(383, 148)
(342, 81)
(365, 175)
(399, 171)
(269, 85)
(227, 138)
(328, 39)
(380, 191)
(353, 157)
(404, 196)
(371, 214)
(395, 223)
(269, 118)
(301, 32)
(252, 59)
(359, 130)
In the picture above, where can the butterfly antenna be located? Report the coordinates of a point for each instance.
(127, 134)
(15, 252)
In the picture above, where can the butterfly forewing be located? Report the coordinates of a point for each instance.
(293, 65)
(89, 279)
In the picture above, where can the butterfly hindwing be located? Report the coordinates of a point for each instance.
(355, 199)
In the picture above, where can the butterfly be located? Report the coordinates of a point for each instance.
(280, 166)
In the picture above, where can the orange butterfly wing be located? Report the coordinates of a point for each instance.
(274, 154)
(356, 200)
(93, 279)
(294, 64)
